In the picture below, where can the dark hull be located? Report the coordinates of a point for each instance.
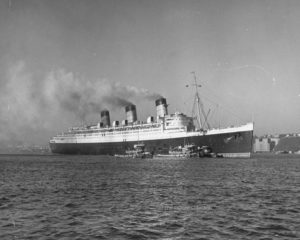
(237, 144)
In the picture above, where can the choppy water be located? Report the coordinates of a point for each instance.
(98, 197)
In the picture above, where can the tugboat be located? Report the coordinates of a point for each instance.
(138, 151)
(190, 151)
(206, 151)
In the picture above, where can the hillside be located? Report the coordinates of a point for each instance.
(288, 144)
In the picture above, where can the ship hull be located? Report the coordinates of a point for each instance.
(229, 144)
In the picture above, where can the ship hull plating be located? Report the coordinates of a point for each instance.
(236, 144)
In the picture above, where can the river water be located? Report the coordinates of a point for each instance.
(100, 197)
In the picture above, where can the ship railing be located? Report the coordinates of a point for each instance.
(120, 128)
(129, 128)
(133, 127)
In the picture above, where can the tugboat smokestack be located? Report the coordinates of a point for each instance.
(131, 115)
(161, 107)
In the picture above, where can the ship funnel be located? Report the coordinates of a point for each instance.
(161, 107)
(131, 113)
(105, 118)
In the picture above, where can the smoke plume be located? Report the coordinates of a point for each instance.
(35, 107)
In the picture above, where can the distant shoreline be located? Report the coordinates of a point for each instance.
(27, 154)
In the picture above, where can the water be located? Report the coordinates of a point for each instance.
(99, 197)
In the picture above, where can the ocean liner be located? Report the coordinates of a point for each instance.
(159, 134)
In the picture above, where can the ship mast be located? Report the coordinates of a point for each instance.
(200, 106)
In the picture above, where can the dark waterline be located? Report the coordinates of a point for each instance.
(99, 197)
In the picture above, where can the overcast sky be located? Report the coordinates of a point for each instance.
(62, 61)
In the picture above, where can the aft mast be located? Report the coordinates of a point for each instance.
(200, 107)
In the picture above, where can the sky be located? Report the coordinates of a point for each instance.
(63, 61)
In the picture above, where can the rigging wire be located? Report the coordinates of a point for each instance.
(218, 107)
(224, 107)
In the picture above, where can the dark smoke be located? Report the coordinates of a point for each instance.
(34, 108)
(116, 102)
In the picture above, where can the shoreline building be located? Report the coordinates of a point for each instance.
(265, 144)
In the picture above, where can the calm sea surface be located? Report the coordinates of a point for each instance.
(99, 197)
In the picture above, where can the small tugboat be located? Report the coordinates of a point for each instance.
(205, 151)
(138, 151)
(190, 151)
